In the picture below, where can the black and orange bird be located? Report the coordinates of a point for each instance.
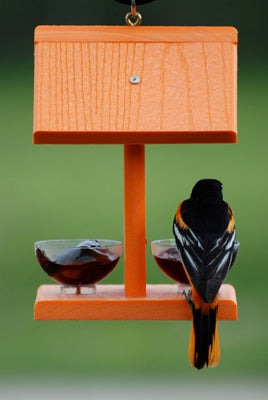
(204, 230)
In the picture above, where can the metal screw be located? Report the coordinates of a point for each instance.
(135, 79)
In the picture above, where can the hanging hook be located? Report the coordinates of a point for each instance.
(133, 18)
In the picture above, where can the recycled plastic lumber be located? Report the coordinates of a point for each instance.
(134, 224)
(162, 302)
(83, 93)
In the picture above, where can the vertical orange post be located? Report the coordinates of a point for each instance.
(135, 241)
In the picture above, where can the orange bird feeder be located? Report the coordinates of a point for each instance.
(133, 86)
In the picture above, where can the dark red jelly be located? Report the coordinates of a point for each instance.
(169, 261)
(78, 266)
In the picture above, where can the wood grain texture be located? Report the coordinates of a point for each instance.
(109, 303)
(134, 212)
(119, 34)
(187, 92)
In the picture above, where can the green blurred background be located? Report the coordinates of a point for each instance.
(50, 192)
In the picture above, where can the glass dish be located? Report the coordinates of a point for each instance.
(168, 259)
(78, 264)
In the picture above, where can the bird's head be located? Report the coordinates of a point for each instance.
(207, 188)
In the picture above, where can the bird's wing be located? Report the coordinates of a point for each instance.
(206, 263)
(235, 253)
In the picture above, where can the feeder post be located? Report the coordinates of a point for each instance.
(135, 240)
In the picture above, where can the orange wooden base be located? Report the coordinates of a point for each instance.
(162, 302)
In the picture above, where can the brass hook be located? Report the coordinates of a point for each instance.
(133, 18)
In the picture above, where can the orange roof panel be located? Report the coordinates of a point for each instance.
(84, 95)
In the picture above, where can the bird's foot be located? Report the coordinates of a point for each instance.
(188, 297)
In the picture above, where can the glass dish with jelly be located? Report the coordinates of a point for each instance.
(78, 264)
(168, 259)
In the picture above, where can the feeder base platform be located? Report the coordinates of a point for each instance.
(162, 302)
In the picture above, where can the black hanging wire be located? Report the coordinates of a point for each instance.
(133, 18)
(138, 2)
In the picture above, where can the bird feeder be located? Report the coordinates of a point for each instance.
(133, 86)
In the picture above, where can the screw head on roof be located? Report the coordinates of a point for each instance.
(135, 79)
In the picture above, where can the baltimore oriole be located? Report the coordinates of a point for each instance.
(204, 230)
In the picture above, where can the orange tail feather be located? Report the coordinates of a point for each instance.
(204, 347)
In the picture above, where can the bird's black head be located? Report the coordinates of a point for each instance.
(207, 188)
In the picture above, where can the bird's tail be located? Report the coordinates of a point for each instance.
(204, 348)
